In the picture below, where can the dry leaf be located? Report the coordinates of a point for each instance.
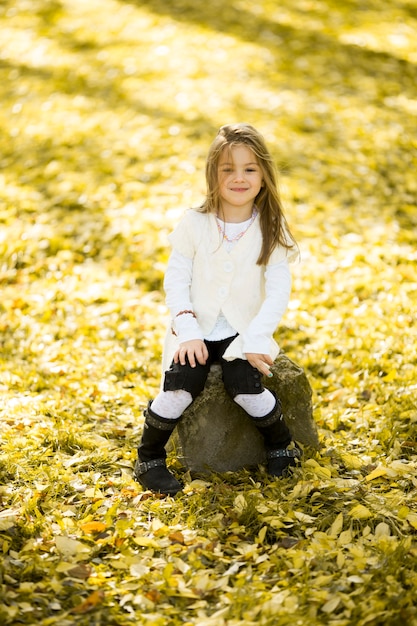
(360, 512)
(89, 603)
(69, 547)
(177, 537)
(91, 528)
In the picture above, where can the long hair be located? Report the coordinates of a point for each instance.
(274, 227)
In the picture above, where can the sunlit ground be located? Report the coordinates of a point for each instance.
(107, 111)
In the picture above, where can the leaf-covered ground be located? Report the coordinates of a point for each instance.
(107, 110)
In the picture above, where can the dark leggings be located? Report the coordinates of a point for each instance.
(238, 375)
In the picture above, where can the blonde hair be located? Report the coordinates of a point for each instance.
(274, 228)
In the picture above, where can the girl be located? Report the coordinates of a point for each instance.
(227, 286)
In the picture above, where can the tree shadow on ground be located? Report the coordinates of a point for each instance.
(331, 64)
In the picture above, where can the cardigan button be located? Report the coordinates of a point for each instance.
(228, 266)
(223, 291)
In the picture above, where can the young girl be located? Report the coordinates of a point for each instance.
(227, 286)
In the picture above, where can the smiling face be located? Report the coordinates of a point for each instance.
(240, 180)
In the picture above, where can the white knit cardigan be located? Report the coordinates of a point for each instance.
(221, 281)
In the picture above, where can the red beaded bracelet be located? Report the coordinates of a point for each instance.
(185, 312)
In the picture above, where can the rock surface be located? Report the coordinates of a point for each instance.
(216, 434)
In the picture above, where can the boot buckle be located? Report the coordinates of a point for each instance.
(294, 453)
(145, 466)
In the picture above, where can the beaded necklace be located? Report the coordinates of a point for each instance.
(222, 231)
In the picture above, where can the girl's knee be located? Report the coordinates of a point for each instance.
(256, 404)
(171, 404)
(187, 378)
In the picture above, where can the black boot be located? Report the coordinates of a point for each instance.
(150, 469)
(277, 440)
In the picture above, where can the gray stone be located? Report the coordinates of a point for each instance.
(216, 434)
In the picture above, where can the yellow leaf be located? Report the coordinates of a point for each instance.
(203, 582)
(298, 561)
(337, 526)
(261, 534)
(240, 503)
(382, 530)
(392, 375)
(340, 559)
(63, 568)
(400, 467)
(403, 511)
(412, 519)
(196, 486)
(358, 580)
(69, 547)
(93, 492)
(8, 518)
(351, 460)
(336, 395)
(345, 538)
(303, 517)
(360, 512)
(146, 542)
(331, 605)
(122, 563)
(319, 470)
(376, 473)
(138, 570)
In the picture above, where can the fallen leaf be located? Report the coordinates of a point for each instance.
(360, 512)
(331, 605)
(153, 595)
(146, 542)
(376, 473)
(412, 519)
(81, 570)
(337, 526)
(382, 530)
(177, 537)
(69, 547)
(94, 599)
(8, 518)
(91, 528)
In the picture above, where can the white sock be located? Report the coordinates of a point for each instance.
(171, 404)
(256, 404)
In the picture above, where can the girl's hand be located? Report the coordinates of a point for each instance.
(194, 350)
(262, 362)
